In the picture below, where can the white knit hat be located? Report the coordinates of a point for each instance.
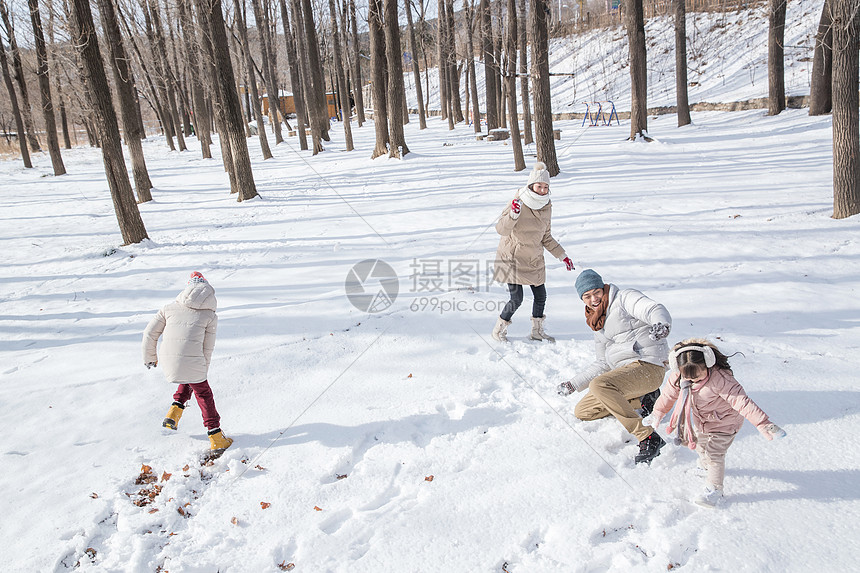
(538, 174)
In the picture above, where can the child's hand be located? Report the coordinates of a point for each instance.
(515, 208)
(771, 431)
(151, 365)
(652, 420)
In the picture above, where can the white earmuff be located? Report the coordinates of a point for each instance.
(707, 351)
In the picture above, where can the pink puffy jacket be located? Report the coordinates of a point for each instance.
(719, 403)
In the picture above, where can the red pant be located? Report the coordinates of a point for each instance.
(205, 400)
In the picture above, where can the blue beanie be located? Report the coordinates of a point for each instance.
(586, 281)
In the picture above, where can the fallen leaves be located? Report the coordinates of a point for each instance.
(284, 566)
(341, 476)
(165, 476)
(94, 495)
(265, 504)
(429, 478)
(235, 521)
(317, 508)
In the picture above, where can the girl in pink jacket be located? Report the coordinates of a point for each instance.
(710, 407)
(187, 327)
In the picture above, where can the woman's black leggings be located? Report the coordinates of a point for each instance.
(539, 293)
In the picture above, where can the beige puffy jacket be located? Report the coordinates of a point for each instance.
(188, 326)
(519, 258)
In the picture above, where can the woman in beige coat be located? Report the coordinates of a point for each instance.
(525, 230)
(187, 329)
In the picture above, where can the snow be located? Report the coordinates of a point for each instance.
(727, 222)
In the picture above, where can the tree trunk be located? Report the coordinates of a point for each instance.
(45, 90)
(345, 108)
(416, 73)
(634, 21)
(295, 77)
(544, 141)
(470, 49)
(192, 49)
(262, 22)
(124, 81)
(160, 88)
(16, 111)
(846, 118)
(681, 63)
(309, 89)
(315, 68)
(776, 57)
(490, 63)
(167, 77)
(227, 97)
(18, 76)
(378, 71)
(511, 80)
(442, 61)
(821, 90)
(242, 24)
(358, 84)
(394, 55)
(525, 97)
(85, 41)
(454, 75)
(55, 72)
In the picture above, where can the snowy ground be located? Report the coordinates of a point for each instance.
(727, 222)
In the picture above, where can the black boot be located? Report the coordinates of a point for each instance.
(648, 401)
(649, 448)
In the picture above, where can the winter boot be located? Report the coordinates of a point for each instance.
(648, 401)
(218, 441)
(537, 330)
(500, 331)
(710, 497)
(173, 414)
(649, 448)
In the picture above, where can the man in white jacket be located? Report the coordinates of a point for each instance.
(187, 326)
(632, 355)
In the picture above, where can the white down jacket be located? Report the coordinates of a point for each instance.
(624, 336)
(188, 325)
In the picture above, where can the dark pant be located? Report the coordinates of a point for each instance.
(539, 293)
(205, 400)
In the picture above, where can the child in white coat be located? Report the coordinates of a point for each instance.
(710, 407)
(187, 326)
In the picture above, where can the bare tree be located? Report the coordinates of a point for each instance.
(295, 77)
(442, 64)
(821, 90)
(315, 68)
(511, 80)
(634, 21)
(379, 73)
(525, 97)
(55, 74)
(544, 141)
(262, 20)
(254, 103)
(396, 136)
(416, 73)
(193, 54)
(45, 90)
(18, 76)
(471, 21)
(776, 57)
(166, 72)
(224, 81)
(84, 38)
(846, 116)
(490, 64)
(124, 81)
(454, 70)
(683, 102)
(16, 111)
(345, 108)
(358, 84)
(309, 88)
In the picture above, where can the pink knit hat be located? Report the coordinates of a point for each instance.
(196, 277)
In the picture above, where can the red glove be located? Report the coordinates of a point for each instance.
(568, 263)
(515, 206)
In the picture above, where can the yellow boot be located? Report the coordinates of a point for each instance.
(173, 415)
(218, 441)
